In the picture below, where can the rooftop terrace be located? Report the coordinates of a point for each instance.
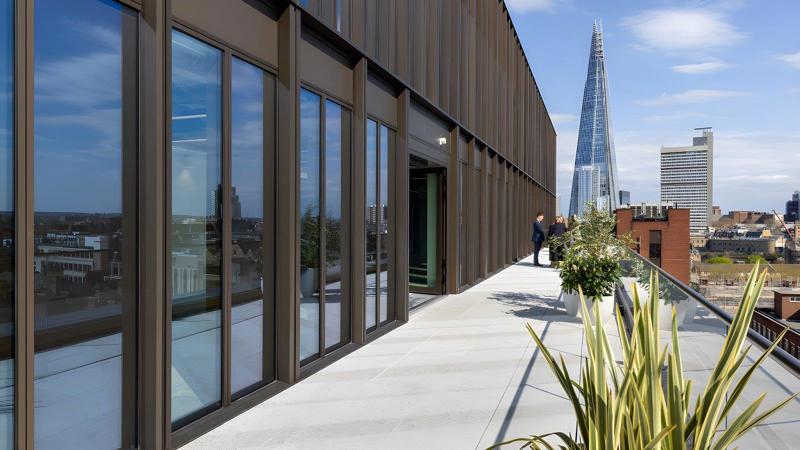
(464, 374)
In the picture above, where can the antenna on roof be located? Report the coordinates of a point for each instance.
(702, 129)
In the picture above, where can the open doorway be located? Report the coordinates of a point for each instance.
(426, 264)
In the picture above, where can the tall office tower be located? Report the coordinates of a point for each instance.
(687, 178)
(793, 208)
(595, 176)
(624, 198)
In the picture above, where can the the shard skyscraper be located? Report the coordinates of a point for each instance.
(595, 176)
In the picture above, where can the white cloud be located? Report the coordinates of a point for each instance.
(683, 29)
(562, 118)
(700, 68)
(793, 59)
(523, 6)
(691, 96)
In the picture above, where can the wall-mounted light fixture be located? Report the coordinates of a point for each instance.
(442, 141)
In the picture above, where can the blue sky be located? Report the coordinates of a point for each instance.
(673, 66)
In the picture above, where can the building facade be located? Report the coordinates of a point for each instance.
(687, 178)
(663, 239)
(595, 176)
(206, 202)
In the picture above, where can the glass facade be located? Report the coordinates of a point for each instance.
(247, 227)
(371, 226)
(324, 159)
(84, 264)
(337, 141)
(595, 176)
(146, 189)
(380, 145)
(310, 148)
(6, 224)
(196, 232)
(386, 137)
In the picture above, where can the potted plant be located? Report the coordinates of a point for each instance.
(309, 253)
(643, 400)
(592, 255)
(595, 275)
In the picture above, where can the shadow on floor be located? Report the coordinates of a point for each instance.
(545, 265)
(533, 306)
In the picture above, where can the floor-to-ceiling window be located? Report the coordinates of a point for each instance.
(371, 226)
(6, 224)
(379, 150)
(310, 145)
(251, 90)
(324, 174)
(196, 229)
(337, 143)
(85, 218)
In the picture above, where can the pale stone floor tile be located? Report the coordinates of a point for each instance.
(462, 374)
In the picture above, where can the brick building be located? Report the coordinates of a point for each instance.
(662, 240)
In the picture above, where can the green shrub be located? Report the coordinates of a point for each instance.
(719, 260)
(592, 254)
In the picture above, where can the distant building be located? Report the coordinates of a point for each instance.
(793, 208)
(595, 177)
(787, 304)
(650, 210)
(716, 213)
(624, 198)
(663, 240)
(752, 244)
(687, 178)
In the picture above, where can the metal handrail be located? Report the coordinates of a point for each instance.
(781, 355)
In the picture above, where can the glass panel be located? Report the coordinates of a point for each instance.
(701, 333)
(84, 222)
(247, 212)
(337, 141)
(196, 225)
(386, 137)
(309, 223)
(6, 224)
(372, 223)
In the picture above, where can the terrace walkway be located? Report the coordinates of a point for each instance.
(462, 374)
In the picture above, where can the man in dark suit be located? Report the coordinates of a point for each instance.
(538, 238)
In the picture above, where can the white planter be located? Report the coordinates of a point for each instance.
(642, 289)
(684, 312)
(572, 303)
(606, 308)
(309, 282)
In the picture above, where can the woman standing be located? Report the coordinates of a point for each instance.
(556, 230)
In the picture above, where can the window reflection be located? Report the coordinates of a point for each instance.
(84, 223)
(335, 135)
(380, 141)
(309, 223)
(196, 225)
(247, 213)
(6, 225)
(386, 137)
(371, 223)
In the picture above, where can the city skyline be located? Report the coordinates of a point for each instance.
(676, 65)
